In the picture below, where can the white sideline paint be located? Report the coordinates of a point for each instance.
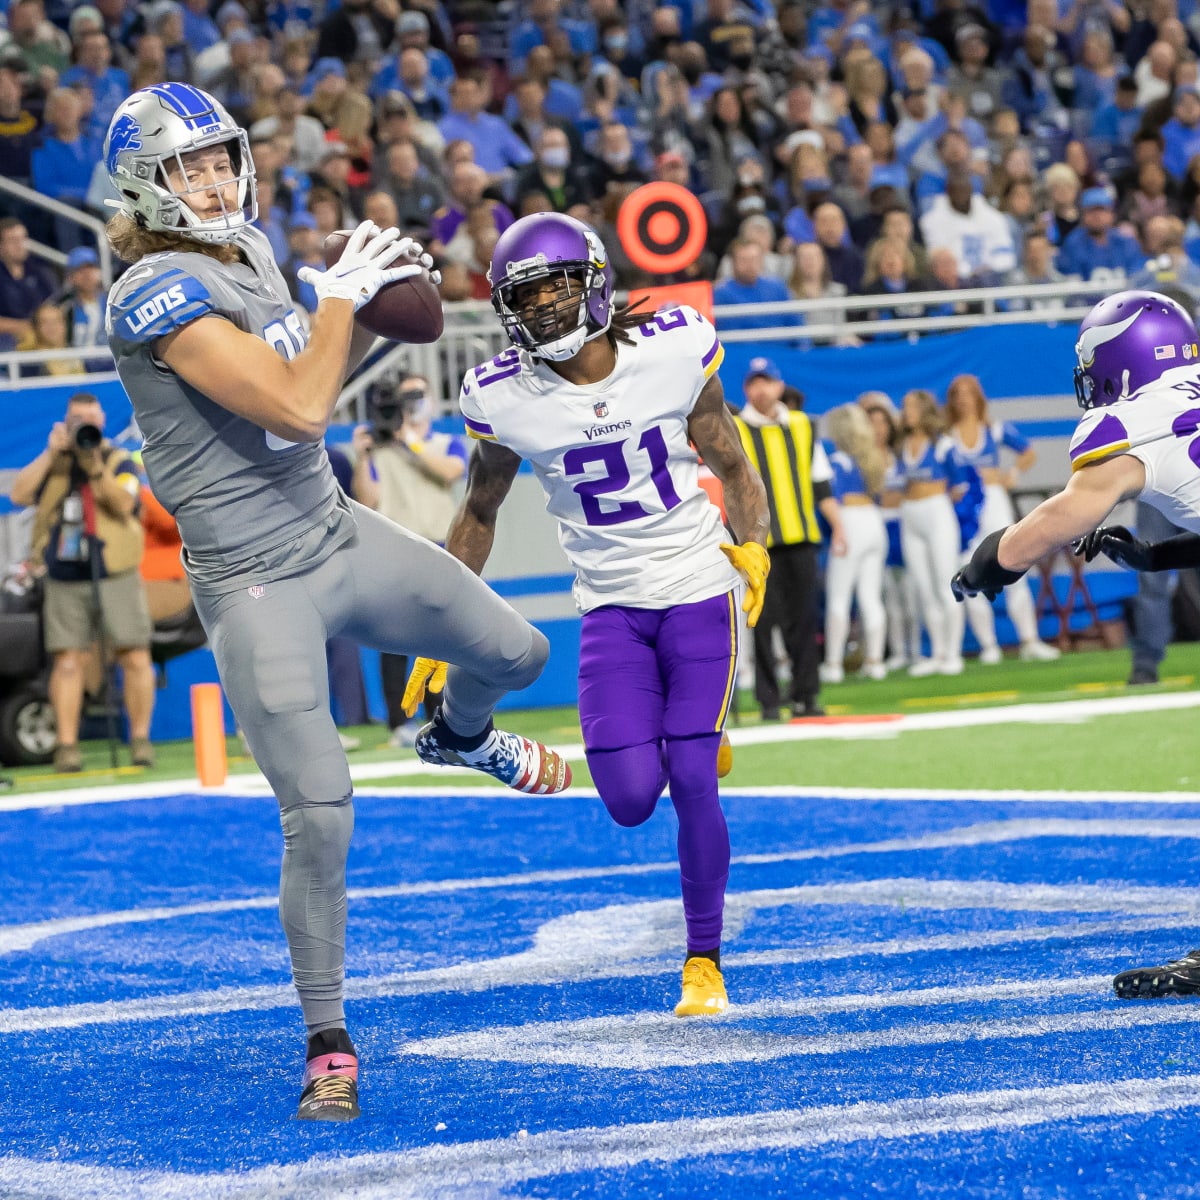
(14, 938)
(485, 1168)
(640, 939)
(254, 784)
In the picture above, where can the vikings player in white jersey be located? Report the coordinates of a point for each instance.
(603, 406)
(1138, 380)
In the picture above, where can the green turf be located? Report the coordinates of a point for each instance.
(1134, 752)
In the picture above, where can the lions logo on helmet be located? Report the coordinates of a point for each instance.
(158, 126)
(121, 137)
(541, 247)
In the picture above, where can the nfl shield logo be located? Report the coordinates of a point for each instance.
(600, 408)
(258, 591)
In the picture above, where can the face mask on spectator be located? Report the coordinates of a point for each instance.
(750, 204)
(743, 62)
(616, 43)
(555, 158)
(692, 73)
(748, 178)
(618, 160)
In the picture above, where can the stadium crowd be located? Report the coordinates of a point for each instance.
(838, 148)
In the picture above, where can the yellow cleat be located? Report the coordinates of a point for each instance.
(703, 989)
(724, 756)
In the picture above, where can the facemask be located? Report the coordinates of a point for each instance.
(618, 162)
(743, 62)
(691, 73)
(748, 179)
(555, 158)
(616, 43)
(751, 204)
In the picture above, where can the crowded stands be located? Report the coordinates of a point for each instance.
(838, 149)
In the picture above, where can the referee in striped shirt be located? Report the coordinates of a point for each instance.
(782, 445)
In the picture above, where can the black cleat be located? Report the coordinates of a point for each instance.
(1180, 977)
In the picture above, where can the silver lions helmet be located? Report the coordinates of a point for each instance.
(150, 133)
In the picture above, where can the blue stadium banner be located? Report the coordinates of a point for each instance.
(30, 410)
(1017, 360)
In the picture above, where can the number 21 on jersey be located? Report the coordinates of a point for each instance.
(596, 495)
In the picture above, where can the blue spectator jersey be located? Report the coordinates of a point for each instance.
(762, 291)
(497, 147)
(1180, 143)
(63, 170)
(986, 453)
(1117, 125)
(200, 32)
(527, 35)
(1082, 255)
(563, 100)
(108, 90)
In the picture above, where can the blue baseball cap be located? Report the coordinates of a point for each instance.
(889, 175)
(1096, 197)
(82, 256)
(765, 367)
(328, 66)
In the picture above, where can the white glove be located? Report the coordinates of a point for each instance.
(412, 250)
(362, 270)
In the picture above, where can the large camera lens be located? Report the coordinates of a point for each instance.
(88, 437)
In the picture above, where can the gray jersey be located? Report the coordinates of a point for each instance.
(250, 506)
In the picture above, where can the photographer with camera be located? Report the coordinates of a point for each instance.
(87, 534)
(406, 472)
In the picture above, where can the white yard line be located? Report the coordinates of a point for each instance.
(496, 1165)
(1067, 711)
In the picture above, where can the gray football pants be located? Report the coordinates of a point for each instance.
(389, 589)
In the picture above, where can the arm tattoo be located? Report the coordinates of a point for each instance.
(489, 477)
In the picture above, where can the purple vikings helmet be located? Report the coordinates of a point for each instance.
(1128, 341)
(544, 246)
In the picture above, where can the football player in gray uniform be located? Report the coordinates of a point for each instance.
(233, 398)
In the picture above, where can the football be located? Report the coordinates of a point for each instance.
(409, 311)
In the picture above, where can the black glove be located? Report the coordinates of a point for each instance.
(1123, 548)
(984, 574)
(1117, 543)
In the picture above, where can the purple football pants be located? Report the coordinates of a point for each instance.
(654, 688)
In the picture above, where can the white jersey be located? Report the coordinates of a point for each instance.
(1160, 427)
(614, 461)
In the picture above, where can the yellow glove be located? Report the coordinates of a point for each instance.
(426, 673)
(754, 565)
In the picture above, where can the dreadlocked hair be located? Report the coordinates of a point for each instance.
(626, 317)
(131, 242)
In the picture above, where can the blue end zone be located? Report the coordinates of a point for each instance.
(921, 1003)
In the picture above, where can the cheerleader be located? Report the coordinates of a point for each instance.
(858, 474)
(929, 530)
(899, 596)
(979, 441)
